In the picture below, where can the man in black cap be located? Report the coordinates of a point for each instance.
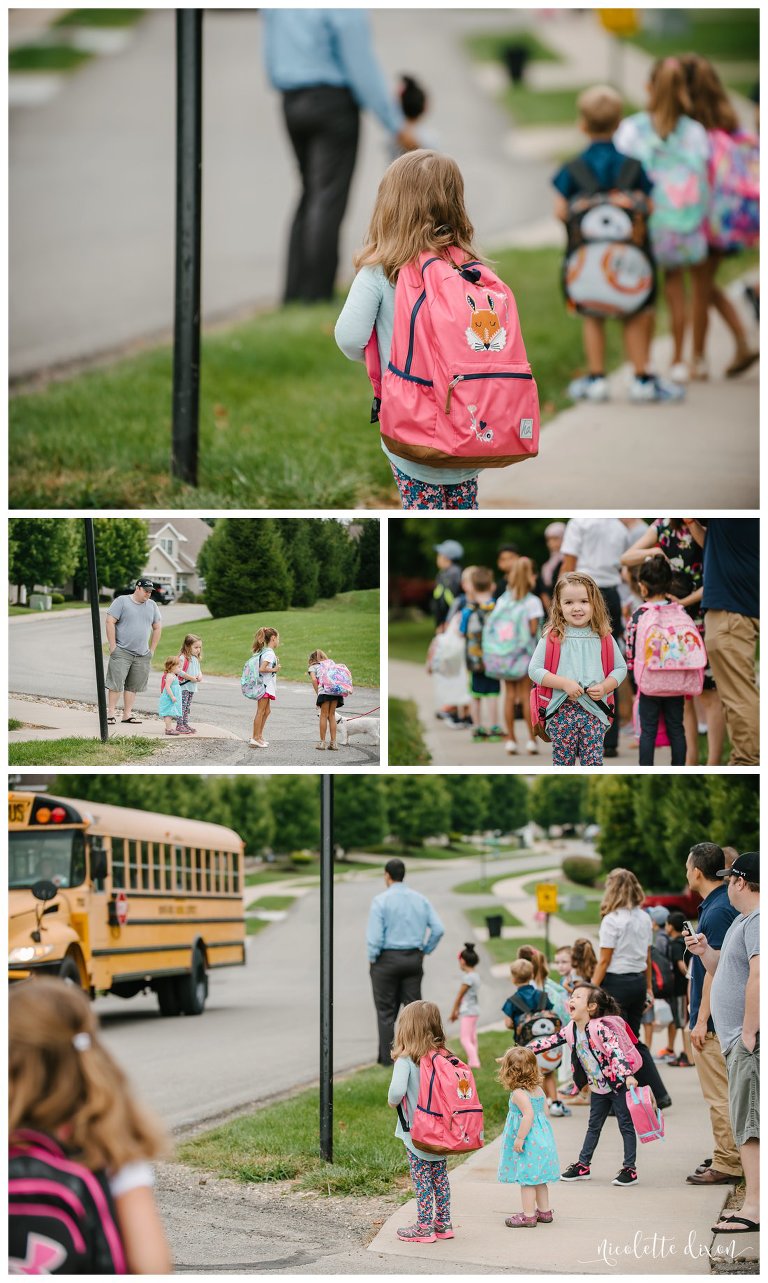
(133, 630)
(735, 1001)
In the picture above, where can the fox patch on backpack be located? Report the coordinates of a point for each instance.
(61, 1218)
(669, 652)
(507, 641)
(449, 1116)
(458, 391)
(608, 269)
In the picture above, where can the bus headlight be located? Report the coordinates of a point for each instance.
(29, 953)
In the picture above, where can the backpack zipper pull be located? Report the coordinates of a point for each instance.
(456, 379)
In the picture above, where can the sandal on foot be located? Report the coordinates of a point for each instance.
(739, 364)
(546, 1218)
(111, 721)
(750, 1227)
(521, 1221)
(131, 721)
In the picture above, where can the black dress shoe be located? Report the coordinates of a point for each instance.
(665, 1102)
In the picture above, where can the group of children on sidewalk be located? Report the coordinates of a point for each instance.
(674, 187)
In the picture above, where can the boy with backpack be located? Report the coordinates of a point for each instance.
(666, 657)
(483, 689)
(529, 1013)
(608, 271)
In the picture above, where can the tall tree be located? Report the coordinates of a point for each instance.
(735, 803)
(369, 571)
(419, 807)
(328, 555)
(295, 805)
(246, 569)
(122, 544)
(43, 551)
(359, 812)
(302, 563)
(620, 841)
(469, 798)
(557, 799)
(241, 802)
(509, 804)
(688, 820)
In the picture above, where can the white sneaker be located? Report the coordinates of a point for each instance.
(531, 747)
(511, 746)
(586, 389)
(320, 744)
(655, 389)
(679, 372)
(258, 743)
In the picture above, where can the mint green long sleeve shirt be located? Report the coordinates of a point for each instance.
(580, 659)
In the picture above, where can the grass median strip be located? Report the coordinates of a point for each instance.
(81, 752)
(479, 913)
(506, 950)
(280, 1142)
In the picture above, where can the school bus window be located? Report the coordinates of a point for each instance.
(228, 858)
(202, 857)
(236, 876)
(55, 855)
(156, 865)
(194, 854)
(219, 873)
(118, 862)
(168, 865)
(178, 879)
(144, 865)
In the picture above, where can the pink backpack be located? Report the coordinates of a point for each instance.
(333, 678)
(541, 695)
(669, 652)
(647, 1118)
(449, 1116)
(458, 391)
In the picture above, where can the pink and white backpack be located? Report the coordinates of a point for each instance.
(449, 1116)
(669, 651)
(458, 391)
(647, 1118)
(333, 678)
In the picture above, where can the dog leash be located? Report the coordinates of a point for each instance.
(359, 715)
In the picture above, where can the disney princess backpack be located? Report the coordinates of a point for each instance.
(669, 652)
(458, 391)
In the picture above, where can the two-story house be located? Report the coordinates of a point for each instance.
(174, 546)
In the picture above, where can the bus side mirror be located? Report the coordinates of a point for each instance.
(98, 864)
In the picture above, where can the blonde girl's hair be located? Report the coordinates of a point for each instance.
(710, 104)
(537, 961)
(170, 663)
(622, 891)
(188, 643)
(521, 971)
(418, 1031)
(583, 958)
(668, 96)
(519, 1070)
(263, 638)
(317, 656)
(600, 620)
(419, 206)
(520, 576)
(79, 1093)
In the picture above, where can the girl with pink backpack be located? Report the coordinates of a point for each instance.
(604, 1056)
(332, 682)
(440, 335)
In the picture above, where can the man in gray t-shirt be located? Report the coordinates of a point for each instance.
(735, 1003)
(133, 632)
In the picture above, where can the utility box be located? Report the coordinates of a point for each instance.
(40, 601)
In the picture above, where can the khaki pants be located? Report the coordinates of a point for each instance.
(713, 1077)
(730, 640)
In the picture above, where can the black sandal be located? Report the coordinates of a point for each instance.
(111, 721)
(750, 1227)
(131, 721)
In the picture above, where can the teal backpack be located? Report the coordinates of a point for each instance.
(252, 682)
(507, 641)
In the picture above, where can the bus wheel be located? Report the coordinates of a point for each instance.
(168, 997)
(193, 988)
(70, 971)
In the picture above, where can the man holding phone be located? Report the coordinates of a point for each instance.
(735, 999)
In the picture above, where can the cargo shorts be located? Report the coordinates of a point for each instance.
(128, 672)
(744, 1091)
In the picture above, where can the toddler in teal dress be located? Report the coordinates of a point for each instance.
(169, 705)
(528, 1151)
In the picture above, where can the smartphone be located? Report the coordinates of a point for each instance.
(689, 931)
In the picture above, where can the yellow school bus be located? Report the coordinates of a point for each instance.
(121, 901)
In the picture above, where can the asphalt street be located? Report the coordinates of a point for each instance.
(91, 219)
(52, 656)
(259, 1035)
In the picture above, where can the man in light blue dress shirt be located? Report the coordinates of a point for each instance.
(402, 928)
(323, 63)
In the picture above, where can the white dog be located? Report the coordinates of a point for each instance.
(347, 726)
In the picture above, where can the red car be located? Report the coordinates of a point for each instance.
(687, 902)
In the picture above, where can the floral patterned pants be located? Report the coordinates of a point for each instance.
(186, 701)
(575, 733)
(422, 494)
(430, 1181)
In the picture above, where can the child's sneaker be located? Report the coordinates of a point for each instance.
(496, 733)
(570, 1092)
(577, 1172)
(531, 747)
(511, 746)
(681, 1062)
(627, 1176)
(443, 1229)
(417, 1234)
(666, 1053)
(480, 733)
(655, 389)
(589, 388)
(558, 1110)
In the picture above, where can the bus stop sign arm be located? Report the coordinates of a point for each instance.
(98, 658)
(186, 329)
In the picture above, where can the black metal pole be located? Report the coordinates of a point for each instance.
(186, 335)
(326, 967)
(98, 657)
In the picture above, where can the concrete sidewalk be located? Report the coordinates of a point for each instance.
(658, 1226)
(44, 721)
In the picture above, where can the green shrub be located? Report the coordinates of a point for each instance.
(301, 857)
(187, 596)
(57, 599)
(582, 869)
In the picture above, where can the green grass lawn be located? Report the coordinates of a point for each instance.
(489, 46)
(482, 886)
(547, 106)
(61, 605)
(345, 626)
(280, 1142)
(272, 903)
(586, 917)
(479, 913)
(406, 737)
(721, 34)
(46, 58)
(281, 873)
(506, 950)
(102, 439)
(409, 639)
(81, 752)
(99, 18)
(14, 724)
(254, 925)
